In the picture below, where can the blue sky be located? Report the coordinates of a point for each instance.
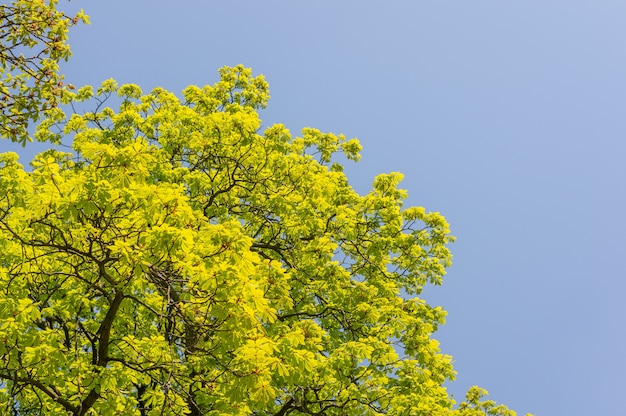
(509, 117)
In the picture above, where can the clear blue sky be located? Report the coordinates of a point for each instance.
(509, 117)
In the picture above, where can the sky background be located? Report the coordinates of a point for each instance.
(508, 117)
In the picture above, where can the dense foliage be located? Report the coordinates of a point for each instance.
(181, 259)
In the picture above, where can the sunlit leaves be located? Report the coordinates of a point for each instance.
(182, 261)
(33, 40)
(474, 406)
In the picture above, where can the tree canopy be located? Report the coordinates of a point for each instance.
(179, 258)
(180, 261)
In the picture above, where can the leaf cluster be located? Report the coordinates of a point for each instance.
(33, 40)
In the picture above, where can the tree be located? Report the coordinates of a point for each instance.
(33, 39)
(179, 260)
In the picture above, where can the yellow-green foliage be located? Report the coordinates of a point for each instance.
(182, 261)
(33, 39)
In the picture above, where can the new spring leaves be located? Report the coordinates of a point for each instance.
(179, 259)
(182, 261)
(33, 39)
